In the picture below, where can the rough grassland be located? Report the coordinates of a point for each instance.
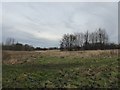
(56, 69)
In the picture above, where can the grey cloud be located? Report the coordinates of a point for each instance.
(23, 20)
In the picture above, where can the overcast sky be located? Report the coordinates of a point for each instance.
(43, 24)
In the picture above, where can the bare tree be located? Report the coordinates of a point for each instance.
(86, 38)
(92, 38)
(65, 41)
(79, 39)
(10, 41)
(103, 37)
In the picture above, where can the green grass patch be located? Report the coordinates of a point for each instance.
(62, 72)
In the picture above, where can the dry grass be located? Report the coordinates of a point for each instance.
(15, 57)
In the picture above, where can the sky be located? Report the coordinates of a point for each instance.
(43, 24)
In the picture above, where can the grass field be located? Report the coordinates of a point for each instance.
(60, 69)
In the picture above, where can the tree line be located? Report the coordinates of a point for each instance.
(11, 44)
(98, 39)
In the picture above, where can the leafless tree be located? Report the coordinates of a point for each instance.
(10, 41)
(79, 39)
(92, 38)
(86, 38)
(102, 36)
